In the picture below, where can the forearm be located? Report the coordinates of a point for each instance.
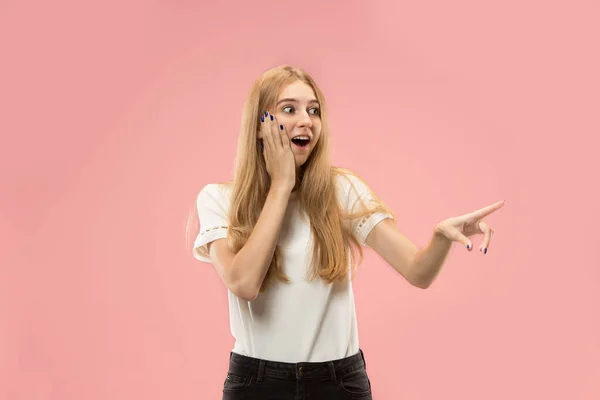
(428, 261)
(251, 263)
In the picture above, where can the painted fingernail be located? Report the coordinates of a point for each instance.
(262, 119)
(485, 251)
(468, 247)
(281, 127)
(271, 117)
(266, 113)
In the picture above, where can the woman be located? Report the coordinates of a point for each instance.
(285, 236)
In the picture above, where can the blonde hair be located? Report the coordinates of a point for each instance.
(334, 244)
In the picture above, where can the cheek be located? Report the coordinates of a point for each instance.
(317, 124)
(317, 131)
(282, 119)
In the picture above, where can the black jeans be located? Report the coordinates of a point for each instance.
(254, 379)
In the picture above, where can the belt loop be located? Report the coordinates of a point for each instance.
(332, 370)
(363, 358)
(261, 370)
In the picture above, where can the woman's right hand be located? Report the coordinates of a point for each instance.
(277, 151)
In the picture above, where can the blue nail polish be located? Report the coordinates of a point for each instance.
(468, 247)
(271, 117)
(266, 113)
(262, 119)
(485, 251)
(281, 127)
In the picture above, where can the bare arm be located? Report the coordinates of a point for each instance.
(395, 248)
(244, 272)
(420, 267)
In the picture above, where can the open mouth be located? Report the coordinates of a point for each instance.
(301, 141)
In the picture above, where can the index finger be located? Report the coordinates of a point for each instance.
(485, 211)
(267, 138)
(274, 125)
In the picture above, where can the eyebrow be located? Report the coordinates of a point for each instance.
(295, 101)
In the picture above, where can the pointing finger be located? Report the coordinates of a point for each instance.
(485, 211)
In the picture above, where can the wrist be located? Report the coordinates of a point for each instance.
(439, 234)
(280, 190)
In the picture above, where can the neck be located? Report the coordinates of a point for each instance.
(298, 179)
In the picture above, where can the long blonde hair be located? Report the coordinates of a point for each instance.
(334, 244)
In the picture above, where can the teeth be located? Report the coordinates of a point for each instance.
(302, 137)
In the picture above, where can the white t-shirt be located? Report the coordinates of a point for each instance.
(299, 321)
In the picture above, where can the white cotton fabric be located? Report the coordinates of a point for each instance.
(299, 321)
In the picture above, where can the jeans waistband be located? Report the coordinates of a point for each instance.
(304, 370)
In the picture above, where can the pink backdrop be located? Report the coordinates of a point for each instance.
(113, 116)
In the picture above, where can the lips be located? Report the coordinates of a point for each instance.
(301, 140)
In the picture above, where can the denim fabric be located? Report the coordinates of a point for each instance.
(254, 379)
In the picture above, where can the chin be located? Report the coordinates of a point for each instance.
(300, 159)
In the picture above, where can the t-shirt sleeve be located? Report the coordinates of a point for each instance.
(356, 195)
(212, 208)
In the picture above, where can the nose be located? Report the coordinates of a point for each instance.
(305, 120)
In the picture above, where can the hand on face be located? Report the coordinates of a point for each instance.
(279, 158)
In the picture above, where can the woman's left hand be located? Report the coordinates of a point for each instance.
(459, 229)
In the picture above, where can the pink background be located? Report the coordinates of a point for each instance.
(114, 115)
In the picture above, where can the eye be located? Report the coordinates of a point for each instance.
(290, 109)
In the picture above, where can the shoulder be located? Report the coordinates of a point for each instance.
(354, 194)
(343, 176)
(215, 193)
(348, 182)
